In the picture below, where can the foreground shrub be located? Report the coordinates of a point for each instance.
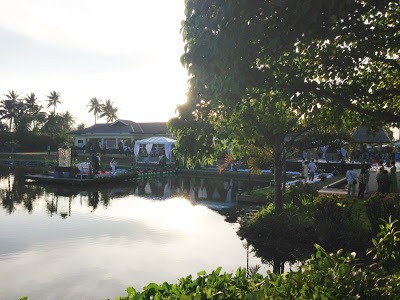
(300, 192)
(206, 286)
(380, 206)
(333, 221)
(287, 236)
(341, 222)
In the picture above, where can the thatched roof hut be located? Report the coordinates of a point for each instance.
(365, 135)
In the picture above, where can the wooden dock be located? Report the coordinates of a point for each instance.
(99, 179)
(38, 178)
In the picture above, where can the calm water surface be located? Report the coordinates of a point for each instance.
(58, 243)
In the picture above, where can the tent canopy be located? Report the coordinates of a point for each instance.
(156, 140)
(363, 135)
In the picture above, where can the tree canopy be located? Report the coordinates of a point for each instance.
(263, 73)
(341, 53)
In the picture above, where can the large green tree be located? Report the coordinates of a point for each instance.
(350, 54)
(265, 71)
(57, 127)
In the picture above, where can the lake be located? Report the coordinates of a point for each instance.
(92, 243)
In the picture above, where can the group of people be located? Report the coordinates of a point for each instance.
(386, 180)
(96, 163)
(363, 180)
(309, 170)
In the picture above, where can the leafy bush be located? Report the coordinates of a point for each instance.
(285, 236)
(206, 286)
(332, 217)
(380, 206)
(386, 248)
(334, 221)
(298, 192)
(266, 193)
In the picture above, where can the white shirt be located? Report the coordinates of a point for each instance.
(351, 175)
(312, 167)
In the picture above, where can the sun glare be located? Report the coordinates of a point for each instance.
(174, 213)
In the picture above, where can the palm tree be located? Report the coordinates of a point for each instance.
(9, 107)
(53, 100)
(96, 106)
(40, 120)
(33, 108)
(81, 126)
(109, 111)
(31, 104)
(69, 120)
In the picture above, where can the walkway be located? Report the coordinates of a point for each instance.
(372, 184)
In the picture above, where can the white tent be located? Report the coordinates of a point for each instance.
(156, 140)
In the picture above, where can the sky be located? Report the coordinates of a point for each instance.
(127, 51)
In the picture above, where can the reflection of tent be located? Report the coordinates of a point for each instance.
(167, 189)
(167, 142)
(147, 188)
(364, 135)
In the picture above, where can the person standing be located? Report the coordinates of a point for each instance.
(351, 176)
(96, 163)
(367, 174)
(113, 163)
(384, 182)
(312, 167)
(363, 179)
(305, 169)
(379, 173)
(393, 177)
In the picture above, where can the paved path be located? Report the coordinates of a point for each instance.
(372, 184)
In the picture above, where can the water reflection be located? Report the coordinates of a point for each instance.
(14, 192)
(216, 193)
(74, 243)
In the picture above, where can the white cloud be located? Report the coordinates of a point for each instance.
(125, 50)
(107, 27)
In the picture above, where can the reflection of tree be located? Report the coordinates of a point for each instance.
(93, 199)
(51, 205)
(17, 192)
(10, 196)
(8, 202)
(28, 204)
(277, 254)
(106, 197)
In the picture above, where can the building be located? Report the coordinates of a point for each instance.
(121, 132)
